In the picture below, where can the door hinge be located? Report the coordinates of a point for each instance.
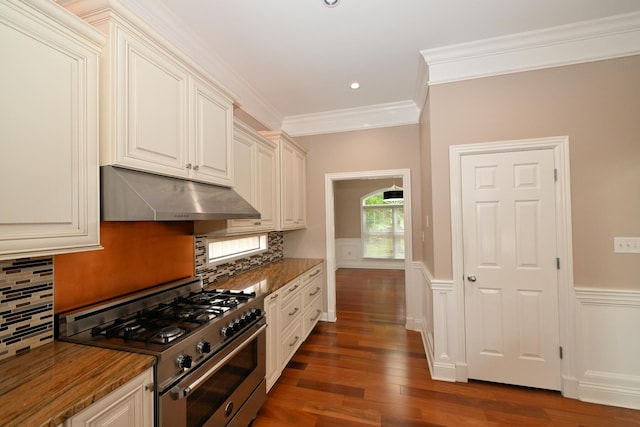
(555, 174)
(558, 263)
(560, 352)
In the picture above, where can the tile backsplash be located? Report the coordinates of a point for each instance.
(211, 274)
(26, 304)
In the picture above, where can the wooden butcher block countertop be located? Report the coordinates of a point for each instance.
(50, 384)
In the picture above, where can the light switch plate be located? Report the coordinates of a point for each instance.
(626, 245)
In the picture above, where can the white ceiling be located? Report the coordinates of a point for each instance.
(299, 56)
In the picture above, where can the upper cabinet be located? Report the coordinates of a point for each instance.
(160, 112)
(256, 180)
(293, 182)
(49, 132)
(255, 166)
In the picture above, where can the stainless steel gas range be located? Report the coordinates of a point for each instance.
(210, 346)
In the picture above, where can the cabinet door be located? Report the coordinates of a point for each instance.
(49, 134)
(293, 186)
(212, 122)
(300, 188)
(131, 405)
(288, 186)
(272, 310)
(266, 186)
(151, 108)
(244, 182)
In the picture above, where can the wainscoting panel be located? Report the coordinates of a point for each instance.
(608, 346)
(439, 326)
(349, 255)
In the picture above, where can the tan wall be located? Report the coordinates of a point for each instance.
(597, 105)
(426, 220)
(357, 151)
(347, 195)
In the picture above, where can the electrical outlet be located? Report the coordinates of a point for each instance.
(626, 245)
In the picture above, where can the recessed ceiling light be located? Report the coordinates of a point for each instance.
(355, 85)
(330, 3)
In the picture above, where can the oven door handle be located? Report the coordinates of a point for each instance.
(180, 393)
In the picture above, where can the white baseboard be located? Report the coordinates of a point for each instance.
(607, 337)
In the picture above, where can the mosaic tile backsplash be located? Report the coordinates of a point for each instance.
(26, 305)
(212, 274)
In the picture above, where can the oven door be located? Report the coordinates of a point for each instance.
(230, 386)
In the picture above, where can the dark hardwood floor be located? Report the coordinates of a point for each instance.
(367, 370)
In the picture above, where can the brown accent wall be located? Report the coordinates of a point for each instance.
(136, 255)
(356, 151)
(597, 105)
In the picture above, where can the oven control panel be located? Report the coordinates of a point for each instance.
(235, 325)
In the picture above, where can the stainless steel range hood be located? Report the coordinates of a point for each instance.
(129, 195)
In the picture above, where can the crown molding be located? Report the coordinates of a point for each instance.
(368, 117)
(594, 40)
(169, 26)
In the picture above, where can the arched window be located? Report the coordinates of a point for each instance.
(382, 226)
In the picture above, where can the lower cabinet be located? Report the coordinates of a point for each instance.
(292, 312)
(131, 405)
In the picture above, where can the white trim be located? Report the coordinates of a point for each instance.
(608, 370)
(593, 40)
(560, 147)
(367, 117)
(329, 178)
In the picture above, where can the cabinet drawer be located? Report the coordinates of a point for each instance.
(311, 292)
(291, 290)
(291, 310)
(290, 343)
(312, 315)
(312, 274)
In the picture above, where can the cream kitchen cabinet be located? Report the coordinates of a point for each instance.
(160, 112)
(49, 132)
(292, 181)
(255, 179)
(312, 303)
(292, 312)
(131, 405)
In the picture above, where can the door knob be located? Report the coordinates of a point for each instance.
(471, 278)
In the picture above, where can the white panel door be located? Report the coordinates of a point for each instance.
(511, 295)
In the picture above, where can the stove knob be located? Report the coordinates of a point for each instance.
(237, 325)
(257, 312)
(203, 347)
(253, 313)
(227, 331)
(184, 361)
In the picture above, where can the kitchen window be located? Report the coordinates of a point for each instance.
(221, 250)
(382, 227)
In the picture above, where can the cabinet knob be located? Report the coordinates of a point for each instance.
(189, 166)
(196, 167)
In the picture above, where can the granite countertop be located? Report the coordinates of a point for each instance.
(51, 383)
(270, 277)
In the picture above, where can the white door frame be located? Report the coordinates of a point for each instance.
(566, 297)
(329, 179)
